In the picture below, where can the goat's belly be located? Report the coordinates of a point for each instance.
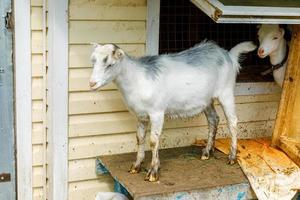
(186, 109)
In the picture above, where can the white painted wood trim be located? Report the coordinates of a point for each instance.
(58, 99)
(22, 64)
(152, 41)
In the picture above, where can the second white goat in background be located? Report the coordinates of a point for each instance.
(273, 44)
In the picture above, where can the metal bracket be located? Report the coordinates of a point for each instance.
(4, 177)
(8, 20)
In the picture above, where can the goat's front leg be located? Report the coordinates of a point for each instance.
(157, 121)
(140, 136)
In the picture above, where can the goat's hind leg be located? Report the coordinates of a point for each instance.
(140, 136)
(227, 101)
(213, 121)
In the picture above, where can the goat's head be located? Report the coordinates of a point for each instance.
(105, 60)
(269, 36)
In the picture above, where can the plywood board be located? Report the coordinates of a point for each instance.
(182, 170)
(271, 173)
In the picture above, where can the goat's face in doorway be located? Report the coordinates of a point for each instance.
(105, 60)
(269, 36)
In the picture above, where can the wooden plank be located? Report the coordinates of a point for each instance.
(98, 124)
(291, 147)
(88, 189)
(37, 155)
(84, 32)
(37, 133)
(37, 111)
(36, 2)
(292, 77)
(88, 147)
(36, 18)
(38, 193)
(192, 175)
(58, 39)
(103, 10)
(152, 41)
(23, 120)
(37, 42)
(79, 55)
(270, 172)
(36, 65)
(112, 101)
(37, 88)
(37, 177)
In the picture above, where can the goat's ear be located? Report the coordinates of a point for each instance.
(258, 26)
(118, 54)
(95, 44)
(281, 30)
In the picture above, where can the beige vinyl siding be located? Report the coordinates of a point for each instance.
(99, 123)
(38, 89)
(106, 21)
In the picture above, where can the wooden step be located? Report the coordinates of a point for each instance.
(183, 175)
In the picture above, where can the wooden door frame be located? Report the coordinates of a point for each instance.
(23, 107)
(58, 98)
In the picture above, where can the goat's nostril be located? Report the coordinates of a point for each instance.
(261, 51)
(92, 84)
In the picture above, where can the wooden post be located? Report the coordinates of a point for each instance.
(286, 133)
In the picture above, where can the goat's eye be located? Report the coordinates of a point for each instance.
(275, 38)
(108, 66)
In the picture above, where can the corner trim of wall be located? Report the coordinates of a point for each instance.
(23, 120)
(58, 99)
(152, 41)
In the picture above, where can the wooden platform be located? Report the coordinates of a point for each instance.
(182, 176)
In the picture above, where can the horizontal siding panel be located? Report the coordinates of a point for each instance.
(96, 124)
(37, 88)
(36, 18)
(37, 65)
(79, 81)
(97, 10)
(103, 101)
(36, 42)
(37, 133)
(87, 190)
(79, 55)
(36, 2)
(37, 111)
(89, 147)
(37, 155)
(107, 32)
(38, 193)
(37, 176)
(112, 101)
(123, 3)
(80, 170)
(84, 169)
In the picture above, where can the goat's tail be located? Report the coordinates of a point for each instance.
(236, 51)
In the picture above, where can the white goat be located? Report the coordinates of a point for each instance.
(174, 85)
(273, 44)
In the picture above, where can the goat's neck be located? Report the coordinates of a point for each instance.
(125, 79)
(278, 55)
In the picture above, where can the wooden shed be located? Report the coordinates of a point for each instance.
(61, 126)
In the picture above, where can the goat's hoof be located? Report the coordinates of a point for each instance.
(231, 162)
(134, 169)
(152, 176)
(205, 155)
